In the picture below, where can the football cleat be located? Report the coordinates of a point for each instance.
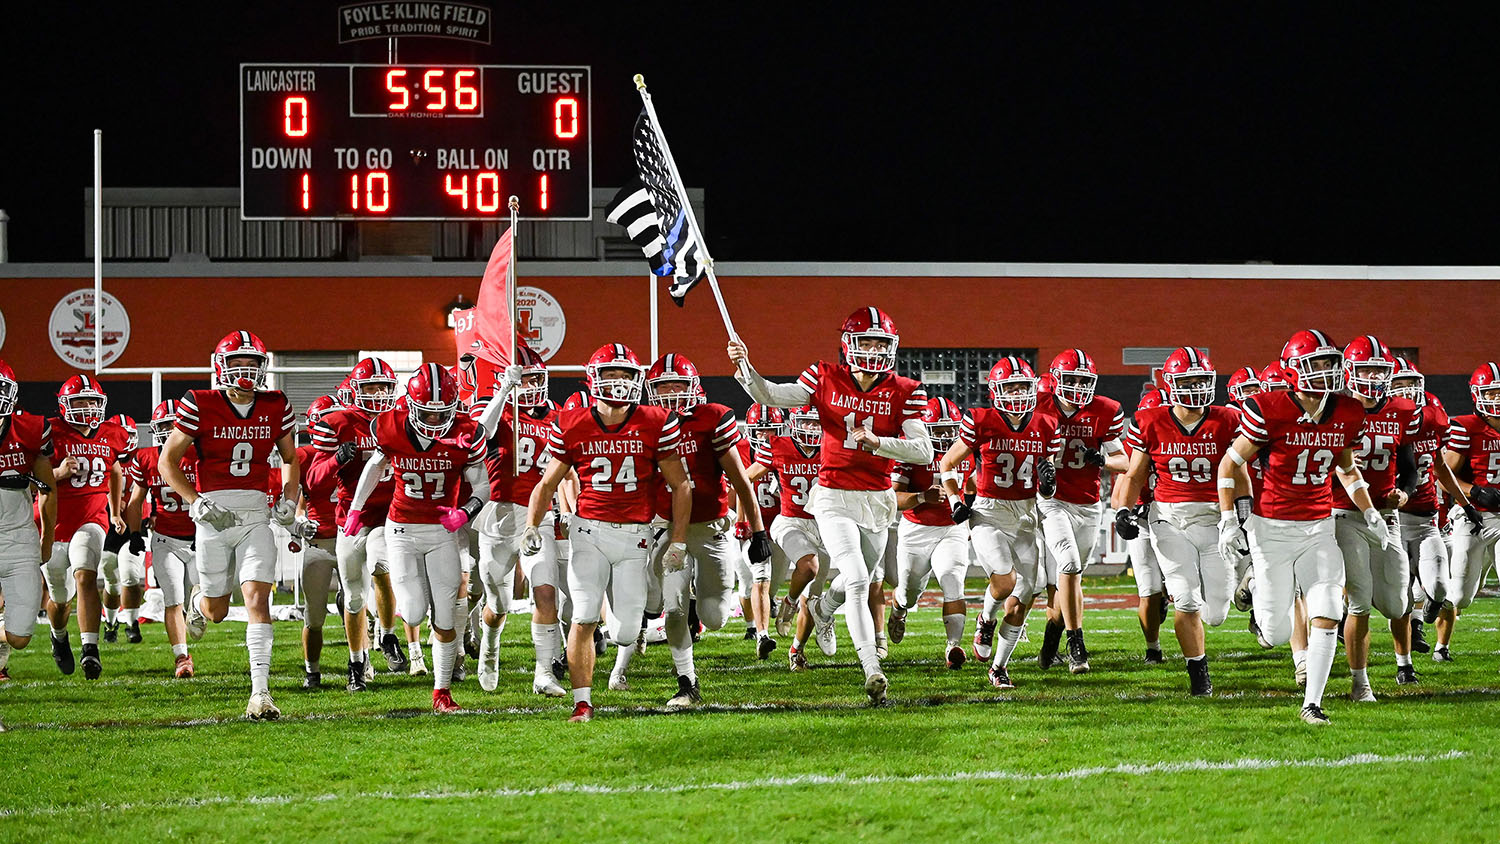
(1051, 639)
(111, 631)
(4, 678)
(311, 680)
(489, 668)
(62, 654)
(618, 683)
(183, 667)
(1313, 714)
(460, 672)
(4, 653)
(416, 666)
(582, 711)
(133, 632)
(262, 708)
(956, 657)
(356, 676)
(1078, 654)
(823, 632)
(687, 694)
(1430, 610)
(875, 687)
(881, 651)
(560, 666)
(1361, 693)
(1244, 599)
(786, 613)
(543, 684)
(795, 660)
(1406, 675)
(1154, 656)
(984, 640)
(471, 643)
(599, 644)
(749, 633)
(92, 667)
(1198, 683)
(1299, 672)
(442, 702)
(1000, 678)
(395, 657)
(895, 624)
(1418, 637)
(197, 622)
(765, 646)
(1439, 654)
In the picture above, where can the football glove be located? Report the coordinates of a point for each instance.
(137, 542)
(208, 513)
(353, 522)
(305, 528)
(1376, 523)
(961, 511)
(345, 453)
(12, 480)
(1127, 523)
(1046, 478)
(1242, 508)
(676, 557)
(1231, 539)
(531, 542)
(760, 547)
(1484, 497)
(1093, 457)
(742, 531)
(1476, 519)
(285, 512)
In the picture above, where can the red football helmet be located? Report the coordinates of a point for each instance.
(1075, 375)
(673, 368)
(432, 400)
(132, 437)
(943, 419)
(532, 391)
(1243, 384)
(806, 428)
(1368, 367)
(1155, 397)
(1408, 383)
(240, 344)
(344, 394)
(578, 400)
(10, 389)
(762, 421)
(163, 420)
(1046, 384)
(322, 406)
(615, 390)
(1190, 378)
(1013, 385)
(372, 385)
(1275, 377)
(81, 401)
(1484, 386)
(873, 326)
(1313, 362)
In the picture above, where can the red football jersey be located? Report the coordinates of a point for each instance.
(797, 470)
(1090, 426)
(83, 498)
(350, 425)
(1006, 455)
(1472, 437)
(234, 447)
(617, 466)
(767, 493)
(319, 494)
(535, 431)
(843, 406)
(169, 513)
(706, 432)
(921, 478)
(1185, 462)
(1301, 452)
(1387, 426)
(1428, 445)
(25, 438)
(425, 478)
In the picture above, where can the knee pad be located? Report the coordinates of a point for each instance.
(1191, 602)
(1324, 600)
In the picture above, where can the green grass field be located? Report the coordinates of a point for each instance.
(1121, 753)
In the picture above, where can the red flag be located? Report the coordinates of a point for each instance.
(494, 329)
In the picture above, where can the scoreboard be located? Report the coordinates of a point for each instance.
(414, 142)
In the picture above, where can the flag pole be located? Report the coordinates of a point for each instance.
(708, 261)
(515, 394)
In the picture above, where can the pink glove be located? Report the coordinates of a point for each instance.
(353, 522)
(463, 440)
(452, 518)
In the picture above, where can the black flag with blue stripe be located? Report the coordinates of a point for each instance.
(653, 215)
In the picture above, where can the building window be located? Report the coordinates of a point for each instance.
(958, 374)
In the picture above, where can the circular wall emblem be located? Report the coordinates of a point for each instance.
(71, 328)
(540, 321)
(2, 330)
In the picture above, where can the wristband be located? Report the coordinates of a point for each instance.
(952, 475)
(1235, 456)
(1226, 483)
(1356, 486)
(955, 499)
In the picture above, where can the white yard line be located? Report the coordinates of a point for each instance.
(798, 781)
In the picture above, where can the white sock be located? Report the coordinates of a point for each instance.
(442, 663)
(1359, 676)
(355, 656)
(60, 633)
(544, 639)
(414, 649)
(1403, 660)
(308, 665)
(862, 632)
(680, 641)
(1321, 644)
(89, 638)
(380, 632)
(1009, 636)
(1153, 645)
(1299, 658)
(583, 695)
(461, 620)
(623, 653)
(258, 644)
(953, 627)
(797, 643)
(109, 615)
(181, 650)
(129, 616)
(991, 604)
(1197, 658)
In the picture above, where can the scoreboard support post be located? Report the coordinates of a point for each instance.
(99, 248)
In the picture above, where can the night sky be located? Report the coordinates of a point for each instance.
(1141, 133)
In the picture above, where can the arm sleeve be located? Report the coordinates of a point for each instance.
(479, 480)
(489, 416)
(46, 447)
(1406, 468)
(915, 448)
(775, 395)
(368, 480)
